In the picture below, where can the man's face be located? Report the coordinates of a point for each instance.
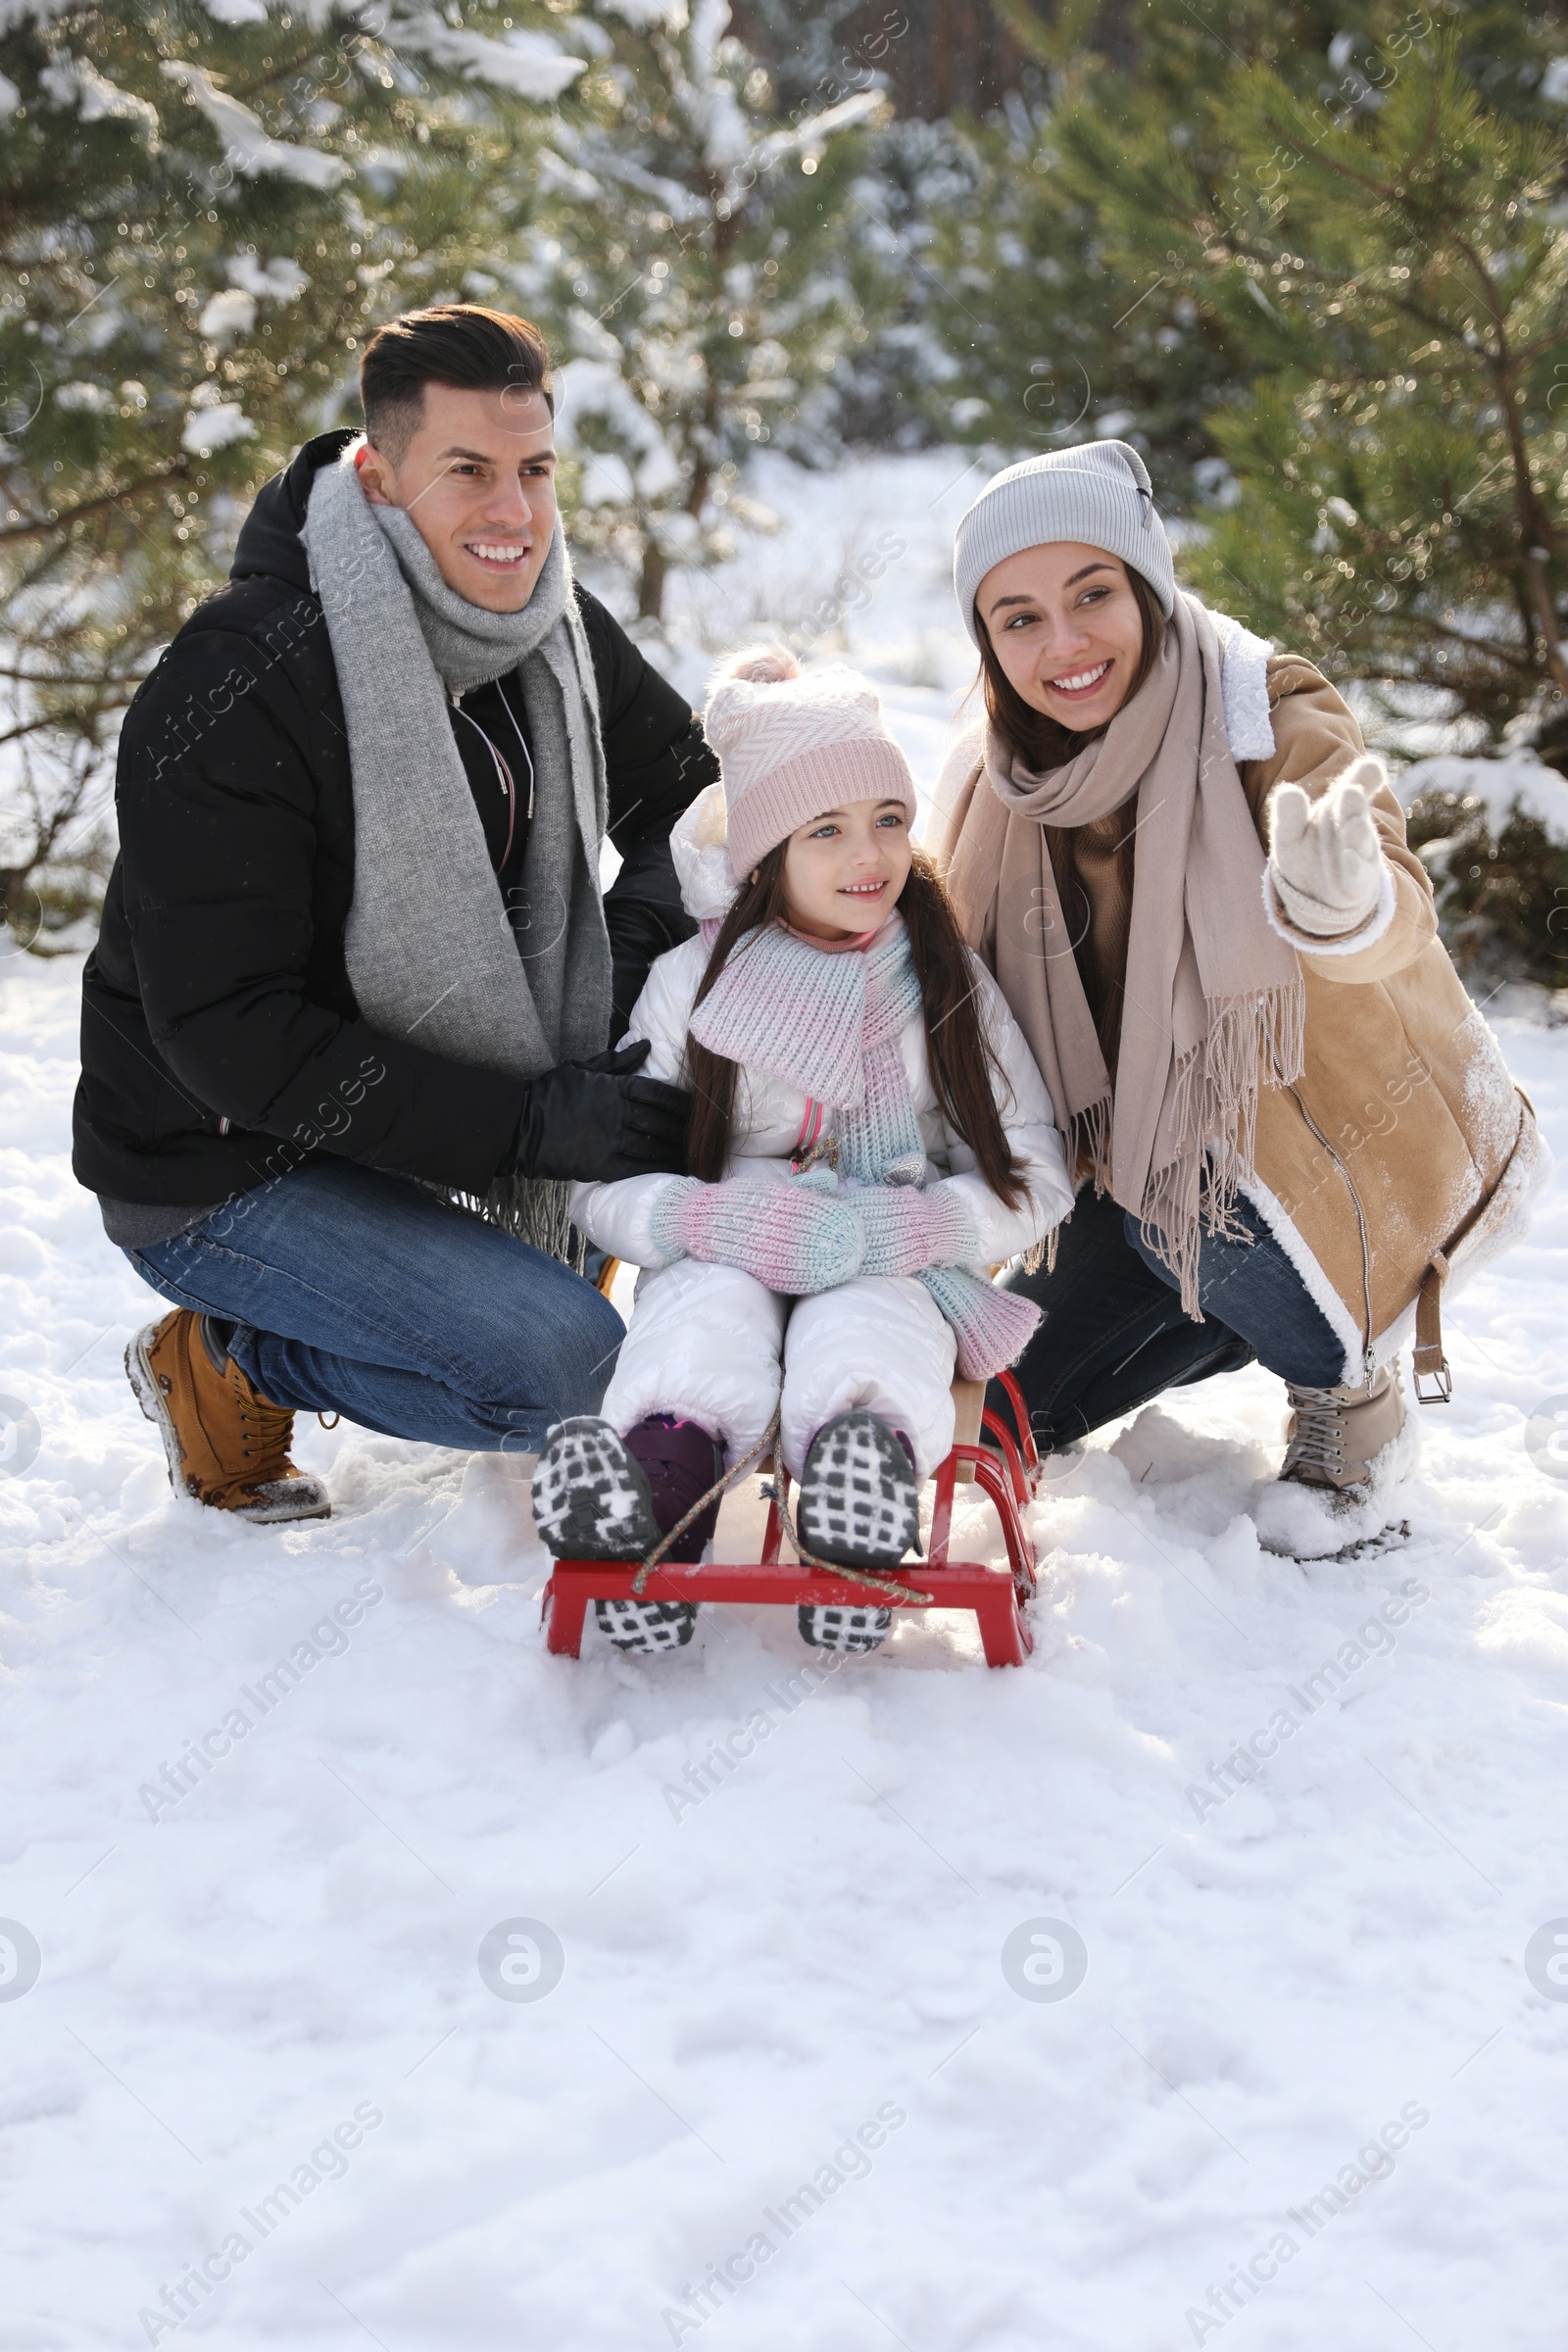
(478, 477)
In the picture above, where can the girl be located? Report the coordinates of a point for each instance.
(869, 1134)
(1194, 888)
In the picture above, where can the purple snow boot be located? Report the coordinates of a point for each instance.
(680, 1462)
(600, 1496)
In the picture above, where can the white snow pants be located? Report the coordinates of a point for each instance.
(713, 1345)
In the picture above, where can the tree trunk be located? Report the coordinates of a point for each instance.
(20, 910)
(650, 583)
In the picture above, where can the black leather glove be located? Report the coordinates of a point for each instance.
(594, 1121)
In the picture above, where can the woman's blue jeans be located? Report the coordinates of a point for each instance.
(1113, 1334)
(357, 1292)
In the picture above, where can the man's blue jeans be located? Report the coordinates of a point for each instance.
(1115, 1335)
(356, 1293)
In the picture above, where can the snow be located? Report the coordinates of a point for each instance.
(644, 15)
(17, 13)
(1514, 779)
(77, 82)
(594, 387)
(213, 424)
(247, 145)
(277, 280)
(229, 312)
(92, 398)
(528, 64)
(903, 2000)
(809, 135)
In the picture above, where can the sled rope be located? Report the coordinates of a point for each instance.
(732, 1477)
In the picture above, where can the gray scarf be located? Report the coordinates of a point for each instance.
(432, 951)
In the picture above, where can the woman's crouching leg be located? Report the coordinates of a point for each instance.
(875, 1344)
(703, 1343)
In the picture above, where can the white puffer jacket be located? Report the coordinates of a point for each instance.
(768, 1113)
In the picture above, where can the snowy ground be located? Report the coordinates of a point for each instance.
(260, 2010)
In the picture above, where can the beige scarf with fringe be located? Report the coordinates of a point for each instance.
(1213, 1003)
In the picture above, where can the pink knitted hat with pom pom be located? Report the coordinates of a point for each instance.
(792, 746)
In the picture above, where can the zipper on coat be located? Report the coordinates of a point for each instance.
(503, 776)
(1369, 1360)
(523, 740)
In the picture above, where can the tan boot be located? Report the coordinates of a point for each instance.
(226, 1446)
(1336, 1434)
(1348, 1448)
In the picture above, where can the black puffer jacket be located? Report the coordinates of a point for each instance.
(220, 1041)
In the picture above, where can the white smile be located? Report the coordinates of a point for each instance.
(504, 555)
(863, 889)
(1081, 681)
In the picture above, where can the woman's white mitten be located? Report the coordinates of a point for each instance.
(1325, 859)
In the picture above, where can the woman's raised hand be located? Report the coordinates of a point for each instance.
(1325, 859)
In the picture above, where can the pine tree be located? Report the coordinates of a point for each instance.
(206, 211)
(696, 276)
(1394, 279)
(1070, 301)
(1057, 326)
(914, 174)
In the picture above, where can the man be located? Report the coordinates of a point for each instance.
(354, 956)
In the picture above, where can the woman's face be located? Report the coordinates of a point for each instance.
(1066, 628)
(843, 872)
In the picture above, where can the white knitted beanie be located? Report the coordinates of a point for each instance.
(792, 744)
(1099, 493)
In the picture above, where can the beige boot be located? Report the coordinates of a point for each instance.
(1347, 1449)
(1336, 1434)
(227, 1444)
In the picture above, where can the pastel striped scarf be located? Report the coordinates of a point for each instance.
(828, 1025)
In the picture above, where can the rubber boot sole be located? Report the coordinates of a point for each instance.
(859, 1508)
(592, 1501)
(851, 1631)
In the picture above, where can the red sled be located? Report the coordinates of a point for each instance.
(1007, 1471)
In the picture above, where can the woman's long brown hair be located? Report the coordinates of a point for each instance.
(1042, 743)
(963, 1067)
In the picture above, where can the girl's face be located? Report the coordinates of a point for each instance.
(843, 872)
(1066, 628)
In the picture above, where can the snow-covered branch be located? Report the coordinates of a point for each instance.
(247, 143)
(527, 64)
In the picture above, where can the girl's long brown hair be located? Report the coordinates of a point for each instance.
(1042, 743)
(963, 1067)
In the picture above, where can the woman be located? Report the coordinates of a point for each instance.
(1286, 1121)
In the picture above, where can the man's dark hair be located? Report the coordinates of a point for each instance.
(457, 343)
